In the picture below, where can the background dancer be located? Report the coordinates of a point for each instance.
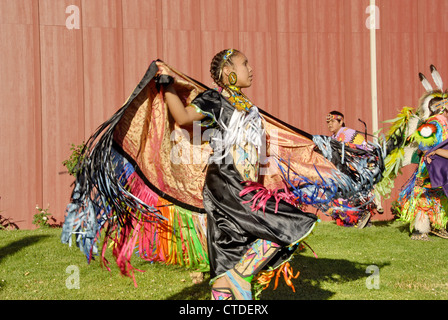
(344, 215)
(414, 137)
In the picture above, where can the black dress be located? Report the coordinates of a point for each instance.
(232, 226)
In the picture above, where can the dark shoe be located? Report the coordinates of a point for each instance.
(363, 220)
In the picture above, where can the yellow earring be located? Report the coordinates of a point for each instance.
(232, 78)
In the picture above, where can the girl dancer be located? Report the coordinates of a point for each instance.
(212, 204)
(240, 241)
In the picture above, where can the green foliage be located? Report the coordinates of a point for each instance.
(42, 218)
(76, 157)
(7, 223)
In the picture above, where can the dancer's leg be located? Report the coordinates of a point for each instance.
(422, 227)
(221, 290)
(253, 261)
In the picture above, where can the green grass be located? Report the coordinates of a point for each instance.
(33, 267)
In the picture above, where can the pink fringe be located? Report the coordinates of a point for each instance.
(142, 191)
(263, 194)
(142, 233)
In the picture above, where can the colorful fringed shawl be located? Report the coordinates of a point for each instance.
(141, 178)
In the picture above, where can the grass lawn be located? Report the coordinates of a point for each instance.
(33, 266)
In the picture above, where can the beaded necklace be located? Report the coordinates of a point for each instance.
(238, 99)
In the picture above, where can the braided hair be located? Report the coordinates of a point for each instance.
(218, 63)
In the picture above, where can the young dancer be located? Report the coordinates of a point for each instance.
(345, 215)
(240, 242)
(339, 132)
(210, 199)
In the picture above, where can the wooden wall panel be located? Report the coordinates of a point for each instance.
(18, 12)
(62, 109)
(213, 42)
(103, 61)
(178, 52)
(433, 47)
(293, 80)
(256, 46)
(103, 75)
(20, 119)
(255, 16)
(181, 15)
(218, 32)
(357, 88)
(61, 79)
(102, 14)
(181, 34)
(432, 17)
(53, 13)
(212, 19)
(139, 50)
(308, 57)
(141, 40)
(291, 16)
(139, 14)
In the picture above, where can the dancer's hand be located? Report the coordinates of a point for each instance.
(428, 156)
(163, 79)
(439, 152)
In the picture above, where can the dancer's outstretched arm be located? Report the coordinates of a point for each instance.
(181, 114)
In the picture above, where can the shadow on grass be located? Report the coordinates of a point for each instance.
(316, 274)
(402, 227)
(310, 285)
(16, 246)
(383, 223)
(405, 228)
(200, 291)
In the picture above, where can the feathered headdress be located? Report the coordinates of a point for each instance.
(408, 129)
(434, 100)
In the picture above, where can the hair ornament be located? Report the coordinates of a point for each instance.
(227, 55)
(333, 117)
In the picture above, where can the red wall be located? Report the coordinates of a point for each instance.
(59, 84)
